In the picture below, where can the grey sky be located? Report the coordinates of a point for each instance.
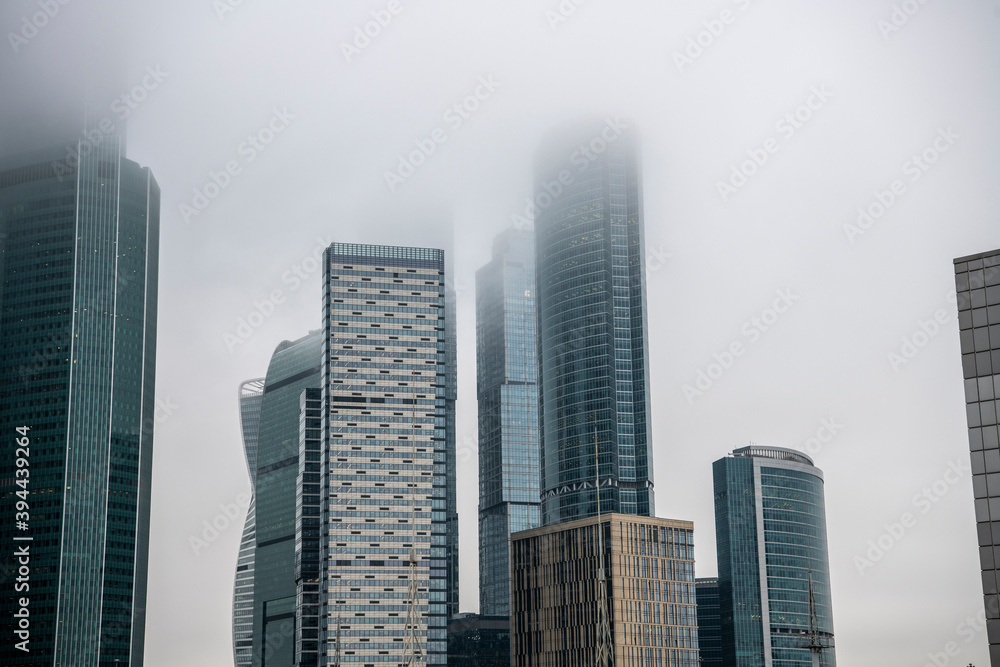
(868, 97)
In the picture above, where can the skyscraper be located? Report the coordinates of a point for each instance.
(508, 411)
(977, 284)
(592, 344)
(774, 565)
(295, 366)
(386, 458)
(79, 242)
(631, 576)
(251, 394)
(709, 628)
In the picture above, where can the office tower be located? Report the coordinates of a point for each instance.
(386, 457)
(649, 591)
(79, 244)
(479, 641)
(709, 627)
(591, 302)
(294, 367)
(508, 411)
(251, 395)
(977, 284)
(774, 566)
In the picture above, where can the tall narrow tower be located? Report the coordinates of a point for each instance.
(386, 454)
(592, 342)
(506, 375)
(79, 241)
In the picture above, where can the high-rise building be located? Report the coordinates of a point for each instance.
(642, 610)
(79, 242)
(479, 641)
(387, 460)
(295, 366)
(592, 344)
(977, 285)
(774, 565)
(709, 627)
(508, 411)
(251, 394)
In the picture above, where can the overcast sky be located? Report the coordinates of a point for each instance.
(833, 100)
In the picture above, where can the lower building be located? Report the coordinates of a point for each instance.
(642, 612)
(977, 287)
(774, 566)
(478, 641)
(709, 627)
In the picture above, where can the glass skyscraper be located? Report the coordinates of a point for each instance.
(770, 526)
(508, 411)
(387, 459)
(295, 366)
(709, 628)
(592, 345)
(251, 394)
(79, 242)
(977, 284)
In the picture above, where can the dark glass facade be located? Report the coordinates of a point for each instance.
(479, 641)
(977, 285)
(78, 297)
(387, 460)
(295, 366)
(508, 411)
(770, 524)
(592, 345)
(251, 394)
(307, 527)
(709, 627)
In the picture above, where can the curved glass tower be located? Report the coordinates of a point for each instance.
(79, 238)
(295, 366)
(592, 348)
(251, 394)
(774, 565)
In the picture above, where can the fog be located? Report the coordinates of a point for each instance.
(834, 155)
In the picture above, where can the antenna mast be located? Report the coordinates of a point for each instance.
(603, 656)
(413, 653)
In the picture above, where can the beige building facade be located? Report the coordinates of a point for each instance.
(650, 593)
